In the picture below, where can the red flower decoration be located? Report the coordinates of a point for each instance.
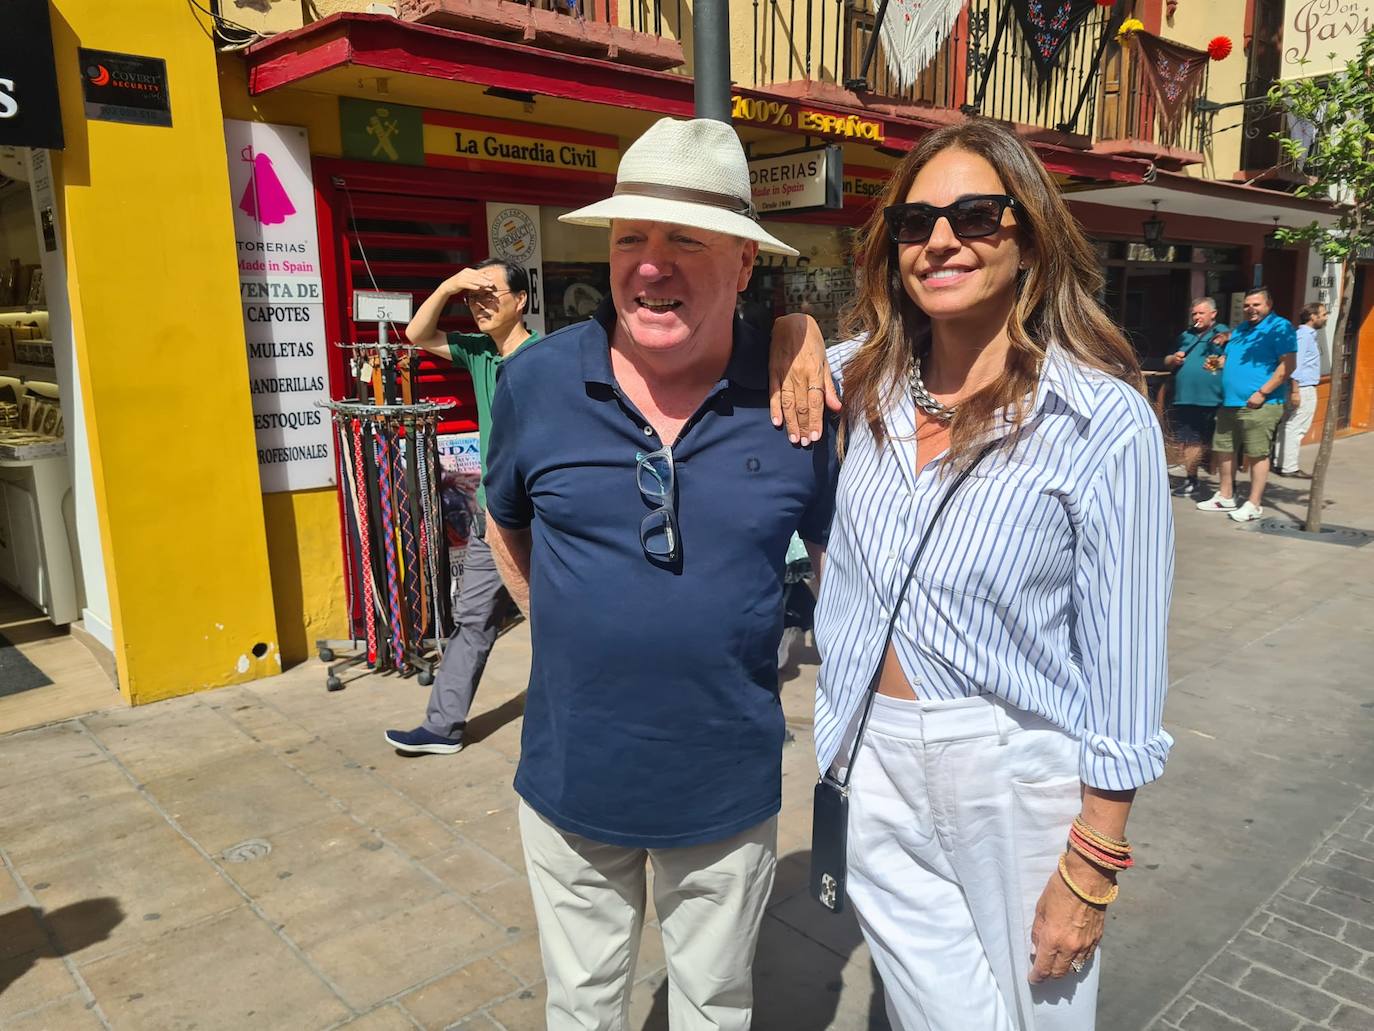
(1219, 49)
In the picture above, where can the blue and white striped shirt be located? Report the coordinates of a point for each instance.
(1047, 583)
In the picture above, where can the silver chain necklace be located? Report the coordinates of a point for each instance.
(923, 398)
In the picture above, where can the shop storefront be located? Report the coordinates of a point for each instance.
(1211, 239)
(50, 553)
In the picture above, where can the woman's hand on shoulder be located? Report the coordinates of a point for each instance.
(800, 387)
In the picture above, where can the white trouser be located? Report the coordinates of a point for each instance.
(959, 811)
(1288, 458)
(589, 900)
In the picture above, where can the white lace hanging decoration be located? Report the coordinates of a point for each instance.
(913, 32)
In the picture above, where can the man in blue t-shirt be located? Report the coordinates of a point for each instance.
(1259, 358)
(641, 503)
(1197, 388)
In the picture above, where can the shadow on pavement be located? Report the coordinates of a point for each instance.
(490, 722)
(798, 969)
(30, 934)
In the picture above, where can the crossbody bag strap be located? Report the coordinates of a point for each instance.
(897, 607)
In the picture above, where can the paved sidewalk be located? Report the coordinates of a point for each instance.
(1306, 958)
(258, 857)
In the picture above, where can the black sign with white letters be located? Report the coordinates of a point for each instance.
(125, 87)
(29, 112)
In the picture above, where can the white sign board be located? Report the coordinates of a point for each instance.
(513, 236)
(1320, 36)
(375, 307)
(283, 302)
(802, 180)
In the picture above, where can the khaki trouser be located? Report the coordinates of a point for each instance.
(589, 899)
(1295, 426)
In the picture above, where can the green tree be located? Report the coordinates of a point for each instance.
(1337, 159)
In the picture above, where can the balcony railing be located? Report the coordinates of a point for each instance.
(984, 65)
(1129, 112)
(637, 32)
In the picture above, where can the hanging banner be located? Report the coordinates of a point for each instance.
(282, 294)
(1321, 36)
(1174, 73)
(803, 180)
(1047, 26)
(513, 236)
(460, 472)
(913, 32)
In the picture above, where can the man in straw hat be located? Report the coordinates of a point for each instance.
(640, 505)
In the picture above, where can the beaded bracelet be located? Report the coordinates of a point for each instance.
(1092, 900)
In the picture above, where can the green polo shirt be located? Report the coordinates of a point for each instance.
(477, 353)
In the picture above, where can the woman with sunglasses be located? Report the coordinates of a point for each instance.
(1017, 707)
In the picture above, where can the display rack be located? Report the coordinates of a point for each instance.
(395, 553)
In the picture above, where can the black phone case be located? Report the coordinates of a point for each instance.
(829, 844)
(830, 803)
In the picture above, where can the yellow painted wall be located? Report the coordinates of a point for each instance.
(303, 526)
(1195, 25)
(164, 373)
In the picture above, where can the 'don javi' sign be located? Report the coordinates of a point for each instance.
(1321, 36)
(396, 134)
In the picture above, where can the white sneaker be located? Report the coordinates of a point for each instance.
(1247, 513)
(1216, 503)
(1177, 470)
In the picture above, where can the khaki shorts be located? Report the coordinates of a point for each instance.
(1255, 427)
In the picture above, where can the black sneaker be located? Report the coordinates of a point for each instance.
(422, 742)
(1185, 489)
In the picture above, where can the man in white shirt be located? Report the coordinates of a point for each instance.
(1302, 400)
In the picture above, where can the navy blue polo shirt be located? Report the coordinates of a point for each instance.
(652, 718)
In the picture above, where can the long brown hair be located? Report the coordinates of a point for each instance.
(1056, 299)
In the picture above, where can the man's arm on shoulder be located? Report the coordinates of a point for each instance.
(510, 549)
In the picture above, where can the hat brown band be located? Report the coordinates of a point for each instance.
(726, 201)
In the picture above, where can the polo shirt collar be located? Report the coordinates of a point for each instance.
(747, 367)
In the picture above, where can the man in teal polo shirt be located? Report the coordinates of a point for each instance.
(496, 294)
(1260, 356)
(1197, 388)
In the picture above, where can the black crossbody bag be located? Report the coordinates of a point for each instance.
(830, 806)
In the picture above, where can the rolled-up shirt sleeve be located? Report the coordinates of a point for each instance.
(508, 499)
(1122, 588)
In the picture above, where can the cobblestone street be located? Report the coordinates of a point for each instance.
(258, 857)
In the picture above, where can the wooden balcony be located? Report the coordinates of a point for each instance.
(632, 35)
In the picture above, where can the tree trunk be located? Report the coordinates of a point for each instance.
(1333, 403)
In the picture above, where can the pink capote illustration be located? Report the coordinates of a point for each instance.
(264, 197)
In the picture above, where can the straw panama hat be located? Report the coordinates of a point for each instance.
(687, 173)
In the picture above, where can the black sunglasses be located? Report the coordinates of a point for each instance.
(658, 532)
(969, 218)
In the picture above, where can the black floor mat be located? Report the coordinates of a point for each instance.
(16, 672)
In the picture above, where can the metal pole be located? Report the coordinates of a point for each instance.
(711, 55)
